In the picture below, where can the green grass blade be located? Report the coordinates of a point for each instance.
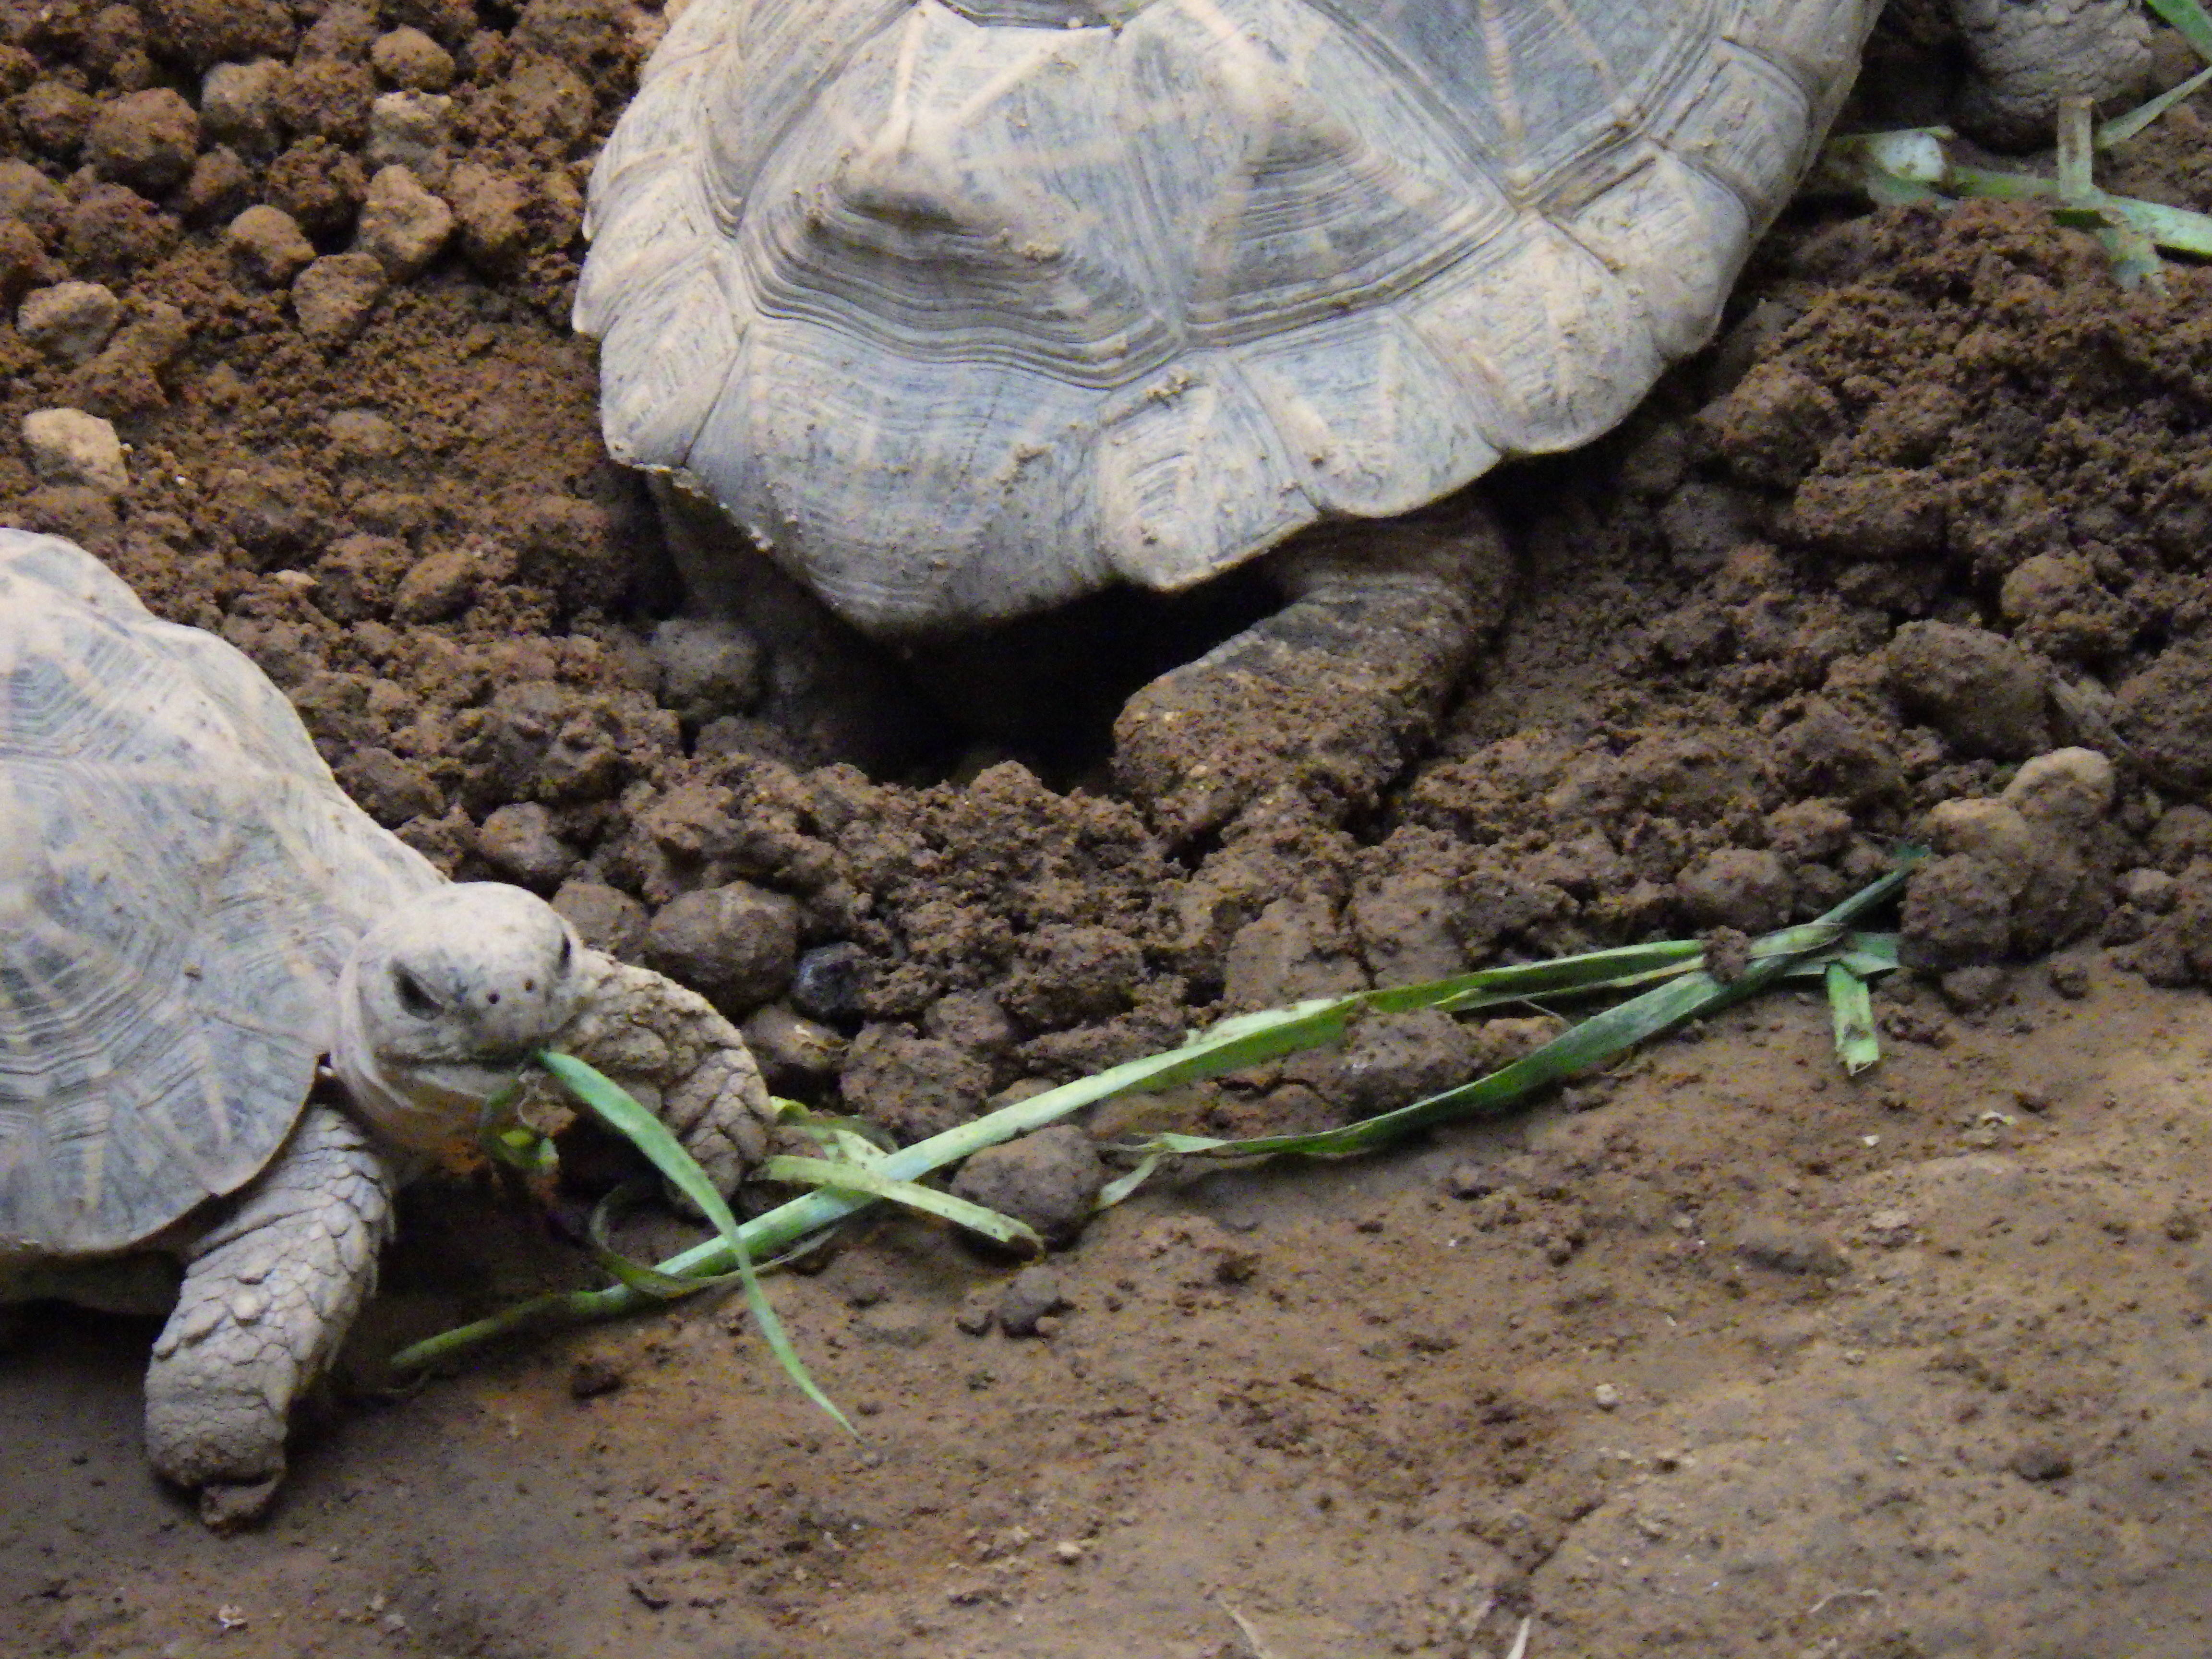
(2121, 128)
(839, 1142)
(859, 1178)
(1591, 970)
(551, 1312)
(2178, 229)
(1232, 1045)
(651, 1281)
(1127, 1182)
(2188, 17)
(1581, 1047)
(1856, 1044)
(522, 1148)
(2077, 180)
(517, 1146)
(613, 1106)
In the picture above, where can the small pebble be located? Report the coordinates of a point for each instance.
(2068, 976)
(1471, 1180)
(403, 225)
(409, 59)
(1607, 1396)
(1889, 1228)
(238, 103)
(68, 447)
(68, 322)
(831, 980)
(1974, 989)
(1050, 1180)
(334, 295)
(978, 1308)
(410, 130)
(1030, 1296)
(794, 1053)
(604, 918)
(593, 1376)
(2041, 1461)
(269, 245)
(1782, 1247)
(517, 841)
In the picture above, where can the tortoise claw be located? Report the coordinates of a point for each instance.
(229, 1505)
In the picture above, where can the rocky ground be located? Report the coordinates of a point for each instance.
(1723, 1353)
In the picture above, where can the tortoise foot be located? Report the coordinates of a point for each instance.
(226, 1506)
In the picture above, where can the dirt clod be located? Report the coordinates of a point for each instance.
(736, 943)
(1050, 1180)
(1030, 1297)
(1984, 695)
(594, 1375)
(2039, 1461)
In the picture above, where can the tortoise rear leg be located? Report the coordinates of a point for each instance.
(268, 1293)
(1319, 706)
(2028, 55)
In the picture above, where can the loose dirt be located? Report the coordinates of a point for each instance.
(1721, 1354)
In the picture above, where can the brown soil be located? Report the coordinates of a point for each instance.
(1723, 1353)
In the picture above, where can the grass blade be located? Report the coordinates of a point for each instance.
(665, 1287)
(1249, 1039)
(1856, 1045)
(2121, 128)
(2188, 17)
(858, 1178)
(1579, 1049)
(2077, 183)
(613, 1106)
(1127, 1182)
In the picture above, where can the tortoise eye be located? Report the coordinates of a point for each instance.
(412, 997)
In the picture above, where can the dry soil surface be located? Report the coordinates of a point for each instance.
(1721, 1353)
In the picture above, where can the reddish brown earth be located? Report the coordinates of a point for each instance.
(1723, 1354)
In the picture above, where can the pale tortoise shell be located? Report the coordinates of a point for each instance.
(965, 309)
(183, 881)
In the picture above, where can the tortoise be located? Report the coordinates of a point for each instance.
(963, 308)
(193, 916)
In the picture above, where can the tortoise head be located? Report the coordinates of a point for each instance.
(442, 1002)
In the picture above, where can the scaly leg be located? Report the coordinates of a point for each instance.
(1322, 703)
(669, 1048)
(270, 1292)
(2029, 54)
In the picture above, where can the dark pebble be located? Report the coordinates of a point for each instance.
(831, 983)
(593, 1376)
(2041, 1462)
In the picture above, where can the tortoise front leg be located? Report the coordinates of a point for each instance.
(268, 1293)
(688, 1065)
